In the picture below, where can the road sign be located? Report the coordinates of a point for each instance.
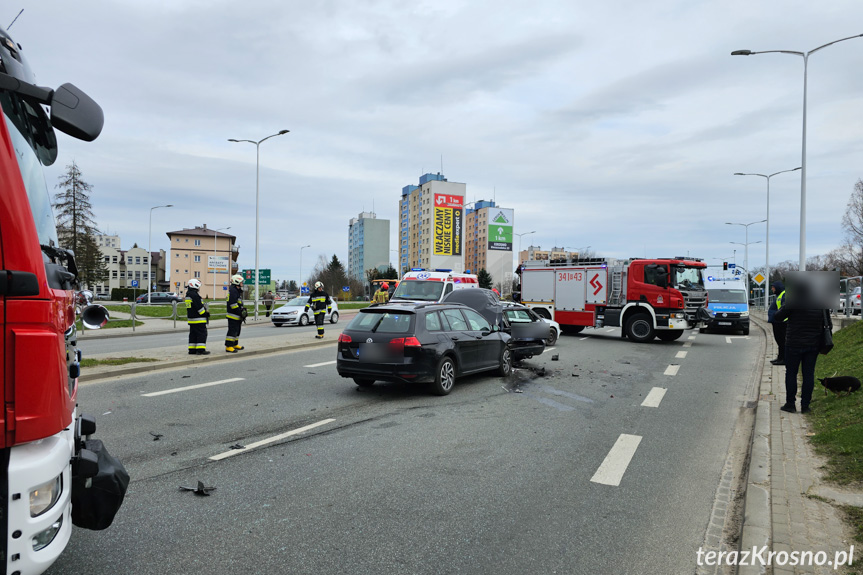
(249, 277)
(346, 288)
(134, 283)
(732, 266)
(759, 279)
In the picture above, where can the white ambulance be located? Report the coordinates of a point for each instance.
(431, 285)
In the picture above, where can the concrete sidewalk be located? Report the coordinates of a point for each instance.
(788, 506)
(282, 339)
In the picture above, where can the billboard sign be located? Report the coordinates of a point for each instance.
(500, 229)
(448, 211)
(217, 264)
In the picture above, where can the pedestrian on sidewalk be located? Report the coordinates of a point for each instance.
(779, 327)
(320, 302)
(196, 316)
(269, 298)
(803, 335)
(236, 313)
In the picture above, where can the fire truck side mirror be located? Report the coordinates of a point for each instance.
(15, 283)
(75, 113)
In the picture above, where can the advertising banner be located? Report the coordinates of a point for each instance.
(500, 229)
(447, 225)
(217, 264)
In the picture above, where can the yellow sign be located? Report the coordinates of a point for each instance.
(758, 278)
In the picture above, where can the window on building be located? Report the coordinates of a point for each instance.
(113, 259)
(145, 260)
(197, 259)
(114, 274)
(122, 274)
(137, 275)
(107, 259)
(137, 260)
(197, 242)
(197, 274)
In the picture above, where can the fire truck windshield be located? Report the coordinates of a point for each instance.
(688, 278)
(37, 148)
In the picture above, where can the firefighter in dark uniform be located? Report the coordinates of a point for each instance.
(321, 303)
(197, 316)
(236, 314)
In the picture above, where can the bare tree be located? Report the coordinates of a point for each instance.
(76, 226)
(852, 223)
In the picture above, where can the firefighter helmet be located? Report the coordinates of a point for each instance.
(319, 285)
(385, 286)
(195, 284)
(237, 279)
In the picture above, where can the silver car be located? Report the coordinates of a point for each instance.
(293, 313)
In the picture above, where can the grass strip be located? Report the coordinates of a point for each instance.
(90, 362)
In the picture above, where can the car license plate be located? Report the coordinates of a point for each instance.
(724, 323)
(371, 352)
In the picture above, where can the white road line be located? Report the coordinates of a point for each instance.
(681, 354)
(687, 344)
(727, 339)
(188, 387)
(269, 440)
(671, 370)
(654, 397)
(582, 339)
(614, 465)
(320, 364)
(691, 337)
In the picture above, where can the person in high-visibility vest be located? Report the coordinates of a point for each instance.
(383, 294)
(321, 303)
(779, 327)
(197, 316)
(236, 313)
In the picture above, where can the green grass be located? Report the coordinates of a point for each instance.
(112, 324)
(147, 310)
(838, 421)
(89, 362)
(354, 304)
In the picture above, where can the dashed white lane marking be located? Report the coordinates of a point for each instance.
(614, 465)
(681, 354)
(582, 339)
(188, 387)
(320, 364)
(654, 397)
(273, 439)
(671, 370)
(691, 337)
(687, 344)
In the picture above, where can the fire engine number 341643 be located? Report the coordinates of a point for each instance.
(569, 276)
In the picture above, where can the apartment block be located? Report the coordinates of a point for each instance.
(488, 242)
(368, 244)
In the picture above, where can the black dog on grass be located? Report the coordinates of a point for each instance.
(839, 384)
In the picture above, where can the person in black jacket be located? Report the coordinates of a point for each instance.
(319, 302)
(235, 314)
(802, 342)
(196, 315)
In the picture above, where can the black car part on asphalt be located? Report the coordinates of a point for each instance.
(422, 343)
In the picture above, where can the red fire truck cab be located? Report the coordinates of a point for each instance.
(647, 298)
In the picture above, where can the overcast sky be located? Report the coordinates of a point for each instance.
(616, 125)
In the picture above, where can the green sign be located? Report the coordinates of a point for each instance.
(249, 277)
(500, 229)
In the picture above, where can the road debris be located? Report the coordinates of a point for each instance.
(555, 357)
(199, 490)
(237, 446)
(156, 436)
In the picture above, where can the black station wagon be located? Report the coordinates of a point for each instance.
(424, 342)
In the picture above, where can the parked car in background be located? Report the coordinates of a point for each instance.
(420, 343)
(529, 333)
(855, 301)
(293, 313)
(103, 296)
(159, 297)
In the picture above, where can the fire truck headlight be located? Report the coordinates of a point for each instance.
(44, 538)
(678, 315)
(44, 496)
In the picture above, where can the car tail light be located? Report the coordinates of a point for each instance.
(398, 344)
(344, 338)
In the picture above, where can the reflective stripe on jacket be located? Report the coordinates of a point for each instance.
(195, 310)
(235, 303)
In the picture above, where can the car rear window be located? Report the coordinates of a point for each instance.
(382, 321)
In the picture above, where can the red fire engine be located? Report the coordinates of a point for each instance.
(51, 473)
(647, 298)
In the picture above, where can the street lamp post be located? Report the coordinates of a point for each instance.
(767, 233)
(746, 253)
(519, 243)
(579, 251)
(257, 202)
(215, 234)
(805, 56)
(149, 252)
(301, 267)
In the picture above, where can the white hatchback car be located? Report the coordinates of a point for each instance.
(292, 313)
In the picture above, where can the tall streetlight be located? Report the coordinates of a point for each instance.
(767, 233)
(519, 243)
(579, 251)
(746, 253)
(215, 234)
(301, 267)
(805, 56)
(149, 252)
(257, 202)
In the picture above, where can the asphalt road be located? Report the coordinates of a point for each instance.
(555, 471)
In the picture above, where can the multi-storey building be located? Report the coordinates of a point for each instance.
(106, 241)
(488, 242)
(536, 253)
(204, 254)
(132, 268)
(368, 244)
(431, 224)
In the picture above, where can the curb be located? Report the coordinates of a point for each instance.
(757, 528)
(91, 377)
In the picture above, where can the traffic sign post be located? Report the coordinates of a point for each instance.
(249, 277)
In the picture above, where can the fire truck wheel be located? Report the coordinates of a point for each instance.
(639, 328)
(669, 335)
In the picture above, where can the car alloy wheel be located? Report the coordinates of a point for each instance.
(334, 318)
(444, 377)
(505, 362)
(304, 319)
